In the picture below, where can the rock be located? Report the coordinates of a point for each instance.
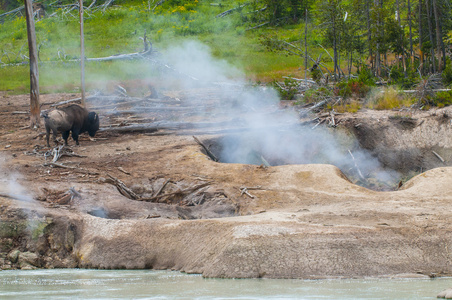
(447, 294)
(28, 258)
(13, 256)
(26, 266)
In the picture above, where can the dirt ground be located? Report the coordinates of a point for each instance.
(223, 220)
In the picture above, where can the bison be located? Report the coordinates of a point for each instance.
(71, 118)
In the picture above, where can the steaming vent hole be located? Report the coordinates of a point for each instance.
(102, 213)
(286, 148)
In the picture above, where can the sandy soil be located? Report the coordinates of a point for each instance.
(297, 221)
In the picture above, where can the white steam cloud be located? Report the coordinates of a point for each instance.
(272, 135)
(10, 186)
(269, 133)
(195, 60)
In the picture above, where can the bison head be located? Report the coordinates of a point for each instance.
(93, 120)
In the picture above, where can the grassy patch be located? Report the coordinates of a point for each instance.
(388, 98)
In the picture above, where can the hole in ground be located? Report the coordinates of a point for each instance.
(306, 147)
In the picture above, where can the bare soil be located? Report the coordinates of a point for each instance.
(193, 214)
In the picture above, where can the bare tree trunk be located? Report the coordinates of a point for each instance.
(306, 44)
(369, 33)
(430, 33)
(35, 108)
(82, 53)
(402, 39)
(411, 32)
(421, 53)
(439, 36)
(377, 54)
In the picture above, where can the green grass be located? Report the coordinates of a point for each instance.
(119, 29)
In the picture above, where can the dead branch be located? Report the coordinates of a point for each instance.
(332, 121)
(122, 91)
(439, 157)
(158, 4)
(123, 189)
(301, 80)
(356, 166)
(229, 11)
(12, 11)
(54, 164)
(106, 4)
(244, 190)
(67, 101)
(184, 191)
(124, 171)
(57, 153)
(265, 162)
(162, 187)
(120, 56)
(209, 153)
(258, 26)
(68, 196)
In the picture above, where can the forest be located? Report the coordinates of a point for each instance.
(346, 47)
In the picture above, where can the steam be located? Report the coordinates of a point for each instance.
(195, 61)
(10, 185)
(272, 136)
(268, 134)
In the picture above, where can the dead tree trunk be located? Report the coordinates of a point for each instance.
(439, 37)
(35, 108)
(411, 33)
(421, 52)
(82, 53)
(430, 33)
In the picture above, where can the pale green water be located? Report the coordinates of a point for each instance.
(142, 284)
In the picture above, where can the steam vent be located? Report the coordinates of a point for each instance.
(226, 181)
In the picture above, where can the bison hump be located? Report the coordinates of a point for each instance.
(58, 120)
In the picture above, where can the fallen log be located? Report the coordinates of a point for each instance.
(120, 101)
(209, 153)
(155, 126)
(69, 101)
(121, 56)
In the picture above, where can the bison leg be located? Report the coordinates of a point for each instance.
(54, 136)
(75, 136)
(47, 135)
(65, 137)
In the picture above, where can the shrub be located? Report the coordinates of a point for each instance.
(287, 90)
(442, 99)
(365, 76)
(317, 94)
(352, 88)
(398, 77)
(447, 73)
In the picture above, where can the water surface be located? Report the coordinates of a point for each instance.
(147, 284)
